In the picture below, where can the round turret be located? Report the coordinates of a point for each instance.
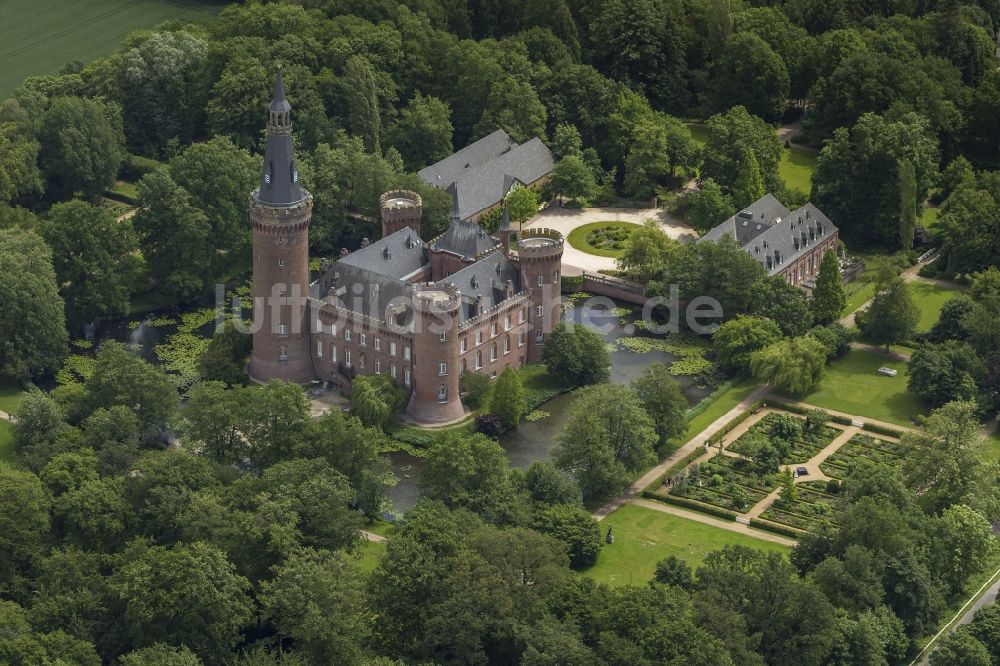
(540, 254)
(435, 397)
(400, 209)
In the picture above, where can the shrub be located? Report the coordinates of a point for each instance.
(136, 167)
(475, 387)
(489, 424)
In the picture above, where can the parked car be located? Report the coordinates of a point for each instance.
(888, 372)
(801, 471)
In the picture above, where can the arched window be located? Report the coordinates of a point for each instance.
(479, 360)
(493, 352)
(442, 393)
(506, 345)
(282, 354)
(463, 365)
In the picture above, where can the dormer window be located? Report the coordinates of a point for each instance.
(387, 253)
(475, 282)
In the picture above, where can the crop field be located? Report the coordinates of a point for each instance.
(41, 36)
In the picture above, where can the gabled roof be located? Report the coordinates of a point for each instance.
(485, 186)
(773, 235)
(397, 255)
(447, 171)
(466, 239)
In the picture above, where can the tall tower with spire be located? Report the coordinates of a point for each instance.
(280, 213)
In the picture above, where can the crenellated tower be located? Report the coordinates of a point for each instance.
(539, 252)
(400, 209)
(280, 213)
(435, 397)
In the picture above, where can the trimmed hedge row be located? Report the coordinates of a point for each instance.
(694, 505)
(776, 528)
(676, 467)
(882, 430)
(137, 166)
(740, 418)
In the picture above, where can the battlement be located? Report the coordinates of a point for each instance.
(275, 219)
(436, 297)
(539, 243)
(399, 202)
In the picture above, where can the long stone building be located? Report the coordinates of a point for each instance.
(422, 312)
(786, 243)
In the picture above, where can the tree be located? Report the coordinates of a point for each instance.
(469, 472)
(174, 236)
(577, 355)
(734, 133)
(782, 302)
(217, 175)
(828, 300)
(566, 140)
(161, 655)
(225, 357)
(867, 158)
(608, 435)
(985, 626)
(19, 173)
(186, 595)
(753, 75)
(33, 339)
(892, 316)
(907, 203)
(572, 525)
(962, 545)
(646, 251)
(24, 524)
(788, 492)
(548, 485)
(672, 570)
(647, 162)
(69, 470)
(122, 378)
(315, 599)
(835, 337)
(94, 257)
(708, 207)
(793, 366)
(507, 400)
(950, 324)
(422, 135)
(967, 227)
(960, 648)
(663, 400)
(363, 102)
(735, 340)
(475, 388)
(749, 185)
(940, 373)
(572, 178)
(522, 204)
(981, 320)
(375, 398)
(83, 145)
(513, 106)
(94, 516)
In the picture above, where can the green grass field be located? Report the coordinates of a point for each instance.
(930, 217)
(10, 397)
(929, 298)
(722, 404)
(796, 168)
(6, 441)
(853, 385)
(643, 537)
(367, 555)
(40, 37)
(578, 238)
(992, 452)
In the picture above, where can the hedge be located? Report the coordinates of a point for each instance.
(740, 418)
(882, 430)
(571, 283)
(137, 166)
(776, 528)
(677, 466)
(694, 505)
(707, 401)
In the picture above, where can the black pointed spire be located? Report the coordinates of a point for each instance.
(279, 184)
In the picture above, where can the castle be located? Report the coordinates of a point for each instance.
(421, 312)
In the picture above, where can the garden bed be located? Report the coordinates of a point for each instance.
(604, 239)
(804, 445)
(731, 483)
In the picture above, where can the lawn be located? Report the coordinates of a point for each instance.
(6, 441)
(796, 168)
(40, 37)
(720, 406)
(367, 555)
(853, 385)
(930, 217)
(929, 298)
(992, 451)
(10, 397)
(587, 238)
(643, 537)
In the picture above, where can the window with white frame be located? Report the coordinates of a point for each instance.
(442, 336)
(333, 353)
(378, 366)
(378, 344)
(541, 280)
(406, 352)
(493, 352)
(506, 345)
(392, 370)
(281, 263)
(406, 376)
(479, 360)
(524, 312)
(347, 357)
(442, 393)
(493, 330)
(555, 276)
(282, 329)
(362, 339)
(442, 369)
(319, 348)
(506, 323)
(463, 345)
(347, 334)
(522, 338)
(479, 337)
(333, 330)
(392, 349)
(540, 310)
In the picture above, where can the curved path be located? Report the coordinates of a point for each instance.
(566, 220)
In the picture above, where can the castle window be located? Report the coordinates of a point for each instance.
(282, 354)
(464, 345)
(540, 310)
(506, 345)
(392, 370)
(506, 323)
(464, 367)
(333, 330)
(378, 344)
(479, 360)
(347, 334)
(522, 339)
(442, 369)
(493, 330)
(442, 393)
(493, 352)
(281, 263)
(378, 366)
(524, 313)
(319, 348)
(406, 352)
(281, 240)
(347, 357)
(443, 336)
(479, 337)
(392, 348)
(406, 376)
(538, 335)
(555, 276)
(333, 353)
(362, 339)
(541, 280)
(282, 329)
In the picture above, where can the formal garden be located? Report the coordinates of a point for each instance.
(791, 436)
(604, 239)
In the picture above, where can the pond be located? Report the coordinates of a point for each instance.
(533, 441)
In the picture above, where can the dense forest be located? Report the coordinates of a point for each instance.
(242, 545)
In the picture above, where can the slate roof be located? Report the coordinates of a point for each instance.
(772, 234)
(484, 171)
(397, 255)
(367, 292)
(466, 239)
(447, 171)
(279, 182)
(485, 278)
